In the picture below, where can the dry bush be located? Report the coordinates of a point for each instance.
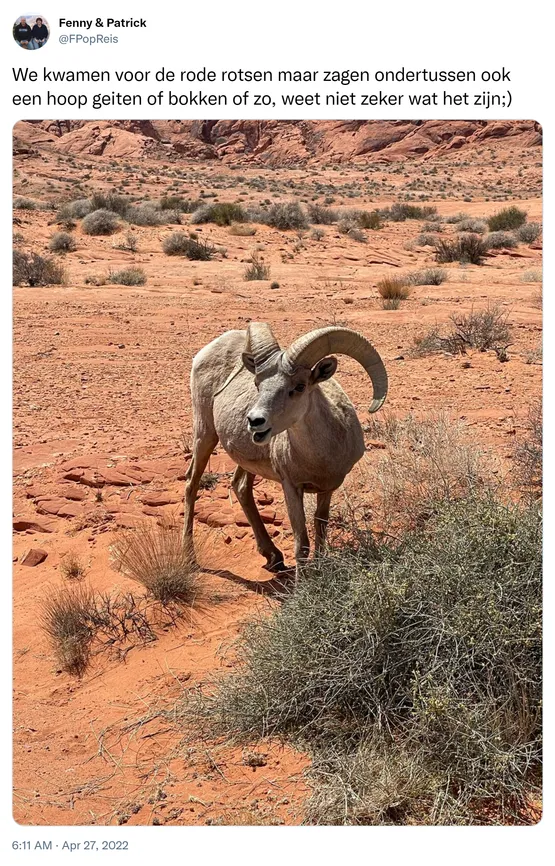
(529, 232)
(101, 222)
(393, 287)
(74, 209)
(128, 277)
(402, 211)
(470, 224)
(62, 242)
(157, 557)
(66, 619)
(30, 269)
(351, 229)
(426, 462)
(500, 240)
(257, 270)
(110, 201)
(485, 329)
(222, 214)
(286, 215)
(129, 243)
(428, 277)
(528, 454)
(321, 215)
(391, 303)
(72, 567)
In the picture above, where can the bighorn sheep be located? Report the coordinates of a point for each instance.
(281, 415)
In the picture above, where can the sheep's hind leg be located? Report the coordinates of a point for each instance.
(242, 483)
(203, 446)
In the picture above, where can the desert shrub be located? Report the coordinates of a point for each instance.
(72, 567)
(428, 277)
(470, 224)
(128, 242)
(426, 240)
(457, 218)
(209, 481)
(532, 276)
(111, 201)
(178, 203)
(317, 234)
(62, 242)
(95, 279)
(528, 453)
(287, 215)
(322, 216)
(30, 269)
(401, 211)
(369, 219)
(485, 329)
(157, 557)
(529, 232)
(22, 203)
(223, 214)
(410, 670)
(500, 240)
(506, 219)
(257, 270)
(179, 244)
(350, 228)
(74, 209)
(391, 303)
(146, 215)
(242, 231)
(469, 249)
(128, 277)
(101, 222)
(66, 619)
(393, 287)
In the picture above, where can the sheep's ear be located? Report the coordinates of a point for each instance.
(323, 370)
(248, 361)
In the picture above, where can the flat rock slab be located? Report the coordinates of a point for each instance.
(156, 500)
(34, 556)
(23, 524)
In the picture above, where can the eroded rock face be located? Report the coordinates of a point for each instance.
(273, 142)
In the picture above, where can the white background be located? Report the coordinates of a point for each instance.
(284, 35)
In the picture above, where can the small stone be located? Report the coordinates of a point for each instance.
(34, 556)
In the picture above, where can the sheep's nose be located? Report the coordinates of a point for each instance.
(256, 420)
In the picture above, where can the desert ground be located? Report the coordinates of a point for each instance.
(102, 418)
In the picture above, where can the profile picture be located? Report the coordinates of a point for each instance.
(31, 31)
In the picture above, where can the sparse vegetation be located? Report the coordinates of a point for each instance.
(66, 619)
(129, 243)
(257, 270)
(72, 567)
(30, 269)
(287, 215)
(400, 211)
(243, 231)
(500, 240)
(532, 276)
(156, 557)
(528, 453)
(475, 226)
(321, 215)
(179, 244)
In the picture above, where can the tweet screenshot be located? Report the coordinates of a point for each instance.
(275, 338)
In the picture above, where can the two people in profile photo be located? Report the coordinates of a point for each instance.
(31, 32)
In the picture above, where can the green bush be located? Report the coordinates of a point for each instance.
(111, 201)
(400, 211)
(62, 242)
(410, 671)
(128, 277)
(223, 214)
(506, 219)
(369, 219)
(30, 269)
(101, 222)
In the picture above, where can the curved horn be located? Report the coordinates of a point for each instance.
(312, 347)
(261, 343)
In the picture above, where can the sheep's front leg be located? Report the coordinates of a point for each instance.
(321, 518)
(295, 510)
(242, 485)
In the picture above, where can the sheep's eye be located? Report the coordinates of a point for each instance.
(300, 388)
